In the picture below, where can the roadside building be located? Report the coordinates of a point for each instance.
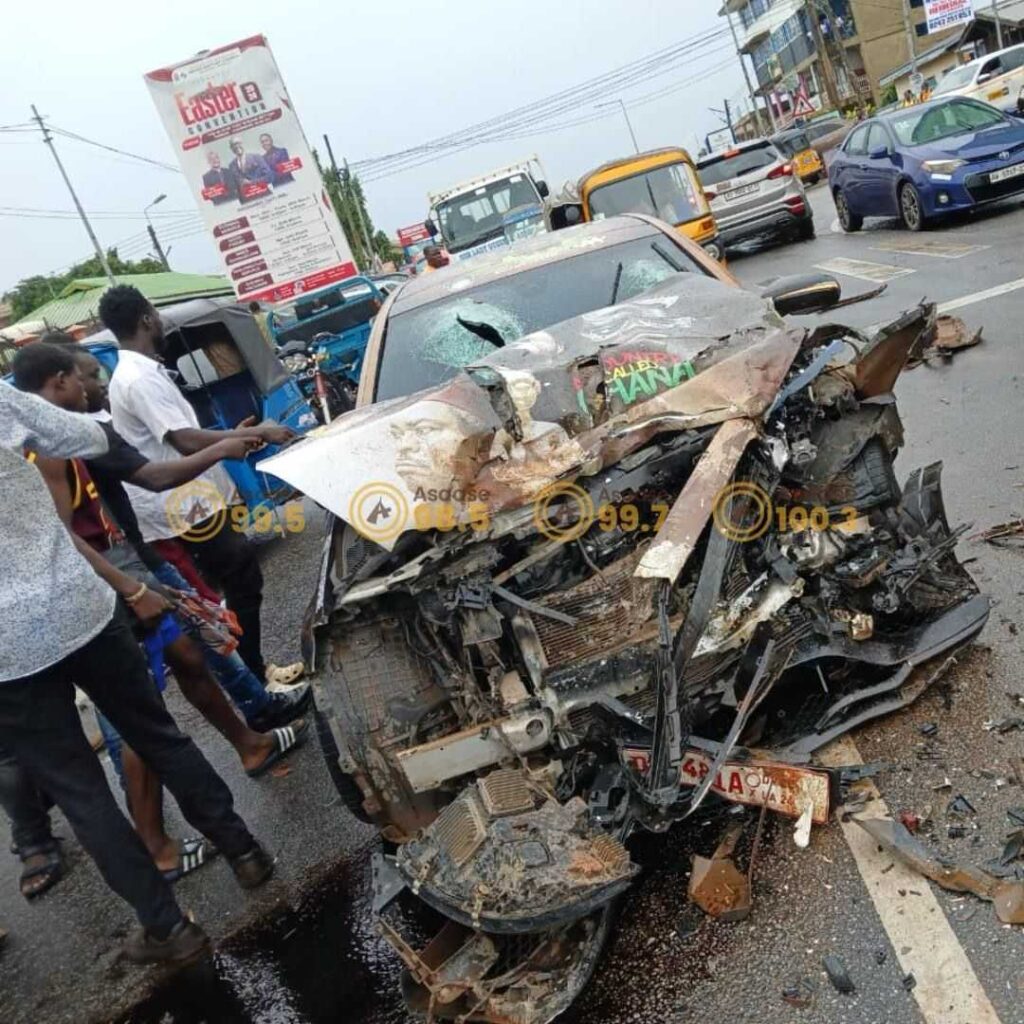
(799, 48)
(974, 39)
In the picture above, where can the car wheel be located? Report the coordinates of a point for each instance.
(849, 221)
(911, 210)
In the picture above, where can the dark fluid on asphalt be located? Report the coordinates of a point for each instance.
(323, 962)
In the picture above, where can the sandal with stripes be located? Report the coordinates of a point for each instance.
(192, 855)
(286, 739)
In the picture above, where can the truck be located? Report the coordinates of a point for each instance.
(490, 211)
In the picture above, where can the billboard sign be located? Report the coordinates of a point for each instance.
(251, 171)
(412, 234)
(943, 14)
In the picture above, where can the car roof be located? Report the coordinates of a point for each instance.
(989, 56)
(528, 254)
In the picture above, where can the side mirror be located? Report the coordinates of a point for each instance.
(573, 214)
(983, 78)
(878, 153)
(802, 293)
(542, 189)
(431, 227)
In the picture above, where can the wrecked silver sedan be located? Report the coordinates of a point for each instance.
(649, 557)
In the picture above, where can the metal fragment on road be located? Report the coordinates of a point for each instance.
(838, 974)
(717, 886)
(1007, 896)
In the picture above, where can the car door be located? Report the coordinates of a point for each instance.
(880, 173)
(850, 176)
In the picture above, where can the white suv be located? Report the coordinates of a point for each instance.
(997, 79)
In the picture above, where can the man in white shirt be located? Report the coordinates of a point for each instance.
(152, 415)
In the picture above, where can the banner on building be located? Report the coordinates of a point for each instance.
(943, 14)
(245, 157)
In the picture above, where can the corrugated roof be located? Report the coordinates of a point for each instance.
(79, 301)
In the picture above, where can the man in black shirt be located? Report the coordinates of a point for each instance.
(123, 463)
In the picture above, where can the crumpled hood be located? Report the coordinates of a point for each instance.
(556, 404)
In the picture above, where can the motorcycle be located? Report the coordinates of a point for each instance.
(652, 557)
(328, 394)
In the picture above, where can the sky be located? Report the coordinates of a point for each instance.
(376, 79)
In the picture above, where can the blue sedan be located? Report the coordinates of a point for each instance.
(923, 161)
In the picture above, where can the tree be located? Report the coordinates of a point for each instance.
(31, 292)
(346, 193)
(386, 249)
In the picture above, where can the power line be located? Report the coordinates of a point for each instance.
(113, 149)
(545, 109)
(375, 174)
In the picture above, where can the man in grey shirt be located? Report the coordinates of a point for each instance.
(61, 625)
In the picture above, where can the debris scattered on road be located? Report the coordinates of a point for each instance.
(909, 981)
(800, 994)
(1007, 896)
(1004, 725)
(928, 729)
(1014, 847)
(956, 831)
(960, 806)
(881, 956)
(949, 335)
(838, 974)
(717, 886)
(910, 821)
(1008, 534)
(1016, 815)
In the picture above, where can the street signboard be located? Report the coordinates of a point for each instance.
(412, 234)
(943, 14)
(250, 169)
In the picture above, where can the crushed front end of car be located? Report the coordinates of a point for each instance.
(653, 556)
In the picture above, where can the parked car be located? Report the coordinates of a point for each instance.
(509, 697)
(921, 162)
(997, 78)
(826, 133)
(755, 192)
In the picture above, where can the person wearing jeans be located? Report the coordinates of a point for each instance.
(58, 627)
(154, 417)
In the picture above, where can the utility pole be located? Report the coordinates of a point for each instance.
(48, 139)
(827, 70)
(728, 120)
(847, 70)
(999, 25)
(629, 124)
(152, 231)
(908, 28)
(347, 181)
(761, 129)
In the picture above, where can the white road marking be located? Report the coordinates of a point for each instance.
(947, 991)
(924, 247)
(988, 293)
(877, 272)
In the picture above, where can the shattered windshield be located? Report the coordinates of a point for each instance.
(472, 216)
(428, 345)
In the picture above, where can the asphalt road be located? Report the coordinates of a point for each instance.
(304, 952)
